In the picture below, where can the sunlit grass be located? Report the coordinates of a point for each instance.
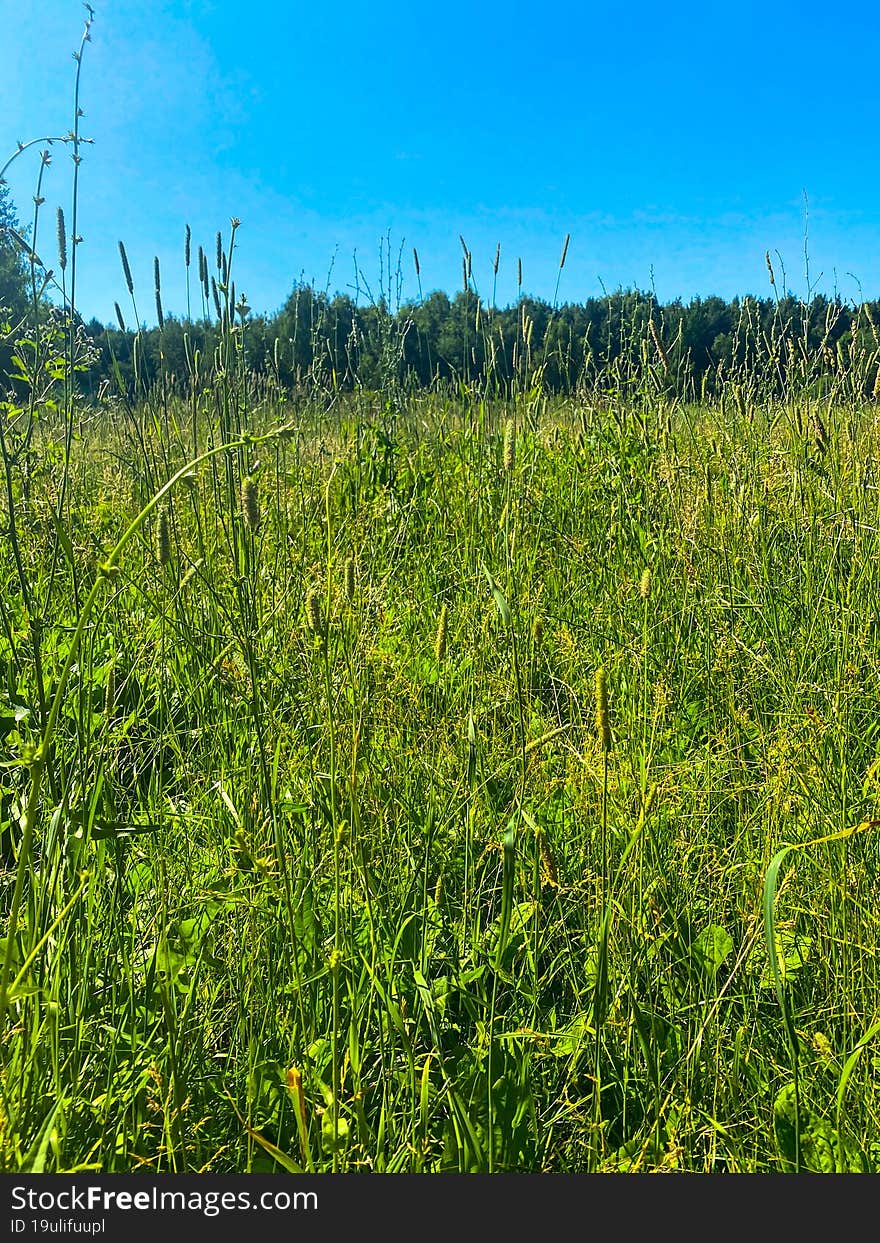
(348, 823)
(416, 781)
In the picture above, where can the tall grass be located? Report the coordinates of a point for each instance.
(324, 847)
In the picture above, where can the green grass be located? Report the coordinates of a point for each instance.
(401, 868)
(320, 847)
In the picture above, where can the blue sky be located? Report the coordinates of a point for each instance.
(673, 142)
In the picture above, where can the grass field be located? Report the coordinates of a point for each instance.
(466, 779)
(403, 791)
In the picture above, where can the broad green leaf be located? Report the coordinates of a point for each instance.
(713, 945)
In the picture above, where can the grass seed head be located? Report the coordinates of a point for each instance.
(645, 583)
(741, 404)
(314, 615)
(564, 251)
(509, 445)
(126, 270)
(658, 344)
(110, 691)
(163, 537)
(820, 432)
(548, 859)
(62, 241)
(350, 579)
(250, 504)
(157, 283)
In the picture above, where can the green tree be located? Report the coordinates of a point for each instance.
(14, 294)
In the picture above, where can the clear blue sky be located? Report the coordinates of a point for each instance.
(674, 138)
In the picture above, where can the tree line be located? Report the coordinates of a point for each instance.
(625, 339)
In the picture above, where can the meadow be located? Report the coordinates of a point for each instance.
(449, 779)
(398, 790)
